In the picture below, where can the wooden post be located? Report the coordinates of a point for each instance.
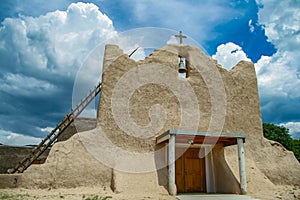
(242, 168)
(209, 171)
(172, 185)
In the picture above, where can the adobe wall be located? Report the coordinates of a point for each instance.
(68, 165)
(79, 125)
(242, 105)
(128, 123)
(10, 156)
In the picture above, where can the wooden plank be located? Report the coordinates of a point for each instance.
(190, 171)
(194, 172)
(179, 175)
(163, 138)
(187, 139)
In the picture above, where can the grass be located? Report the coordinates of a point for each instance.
(13, 197)
(96, 197)
(4, 196)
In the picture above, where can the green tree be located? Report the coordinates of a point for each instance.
(281, 134)
(296, 149)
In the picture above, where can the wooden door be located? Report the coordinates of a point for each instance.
(190, 172)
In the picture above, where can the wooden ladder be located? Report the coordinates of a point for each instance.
(59, 129)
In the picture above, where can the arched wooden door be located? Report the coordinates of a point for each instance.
(190, 172)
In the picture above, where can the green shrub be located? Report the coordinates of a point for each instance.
(281, 134)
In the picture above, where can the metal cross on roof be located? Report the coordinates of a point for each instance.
(180, 36)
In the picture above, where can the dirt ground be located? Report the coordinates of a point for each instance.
(81, 193)
(284, 192)
(96, 193)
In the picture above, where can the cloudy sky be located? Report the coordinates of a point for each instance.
(44, 44)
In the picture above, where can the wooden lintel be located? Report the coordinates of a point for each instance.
(200, 137)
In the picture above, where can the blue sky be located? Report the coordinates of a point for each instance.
(43, 45)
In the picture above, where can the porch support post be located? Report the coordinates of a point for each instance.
(209, 171)
(242, 169)
(172, 185)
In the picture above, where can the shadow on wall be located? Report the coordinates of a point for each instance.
(225, 181)
(160, 160)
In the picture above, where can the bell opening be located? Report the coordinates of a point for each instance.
(181, 71)
(182, 66)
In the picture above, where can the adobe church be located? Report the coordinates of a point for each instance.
(175, 122)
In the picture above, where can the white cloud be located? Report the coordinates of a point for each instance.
(16, 139)
(251, 26)
(47, 130)
(25, 86)
(281, 20)
(294, 128)
(173, 40)
(277, 75)
(89, 111)
(139, 54)
(39, 58)
(56, 42)
(229, 54)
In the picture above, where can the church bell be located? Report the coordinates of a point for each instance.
(182, 67)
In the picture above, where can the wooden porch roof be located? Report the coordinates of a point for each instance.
(190, 137)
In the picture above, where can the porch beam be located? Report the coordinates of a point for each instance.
(209, 134)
